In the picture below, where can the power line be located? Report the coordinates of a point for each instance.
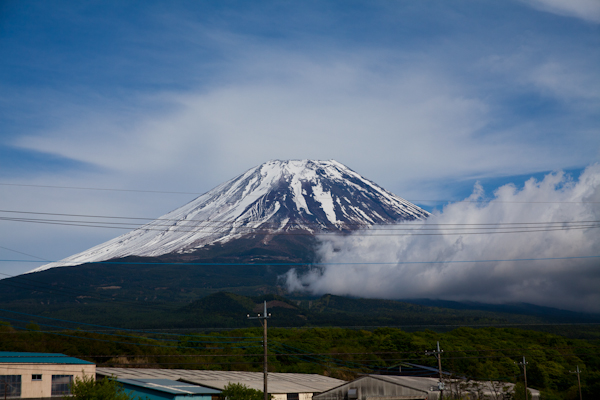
(199, 193)
(138, 304)
(329, 358)
(112, 328)
(25, 254)
(295, 355)
(100, 189)
(320, 361)
(214, 221)
(313, 327)
(74, 293)
(371, 227)
(300, 232)
(140, 344)
(498, 325)
(350, 327)
(307, 264)
(288, 354)
(186, 338)
(277, 342)
(69, 292)
(419, 351)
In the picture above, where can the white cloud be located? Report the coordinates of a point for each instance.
(567, 80)
(405, 113)
(588, 10)
(565, 283)
(397, 124)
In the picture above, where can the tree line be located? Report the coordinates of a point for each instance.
(469, 353)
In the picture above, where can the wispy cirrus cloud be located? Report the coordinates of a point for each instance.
(588, 10)
(420, 97)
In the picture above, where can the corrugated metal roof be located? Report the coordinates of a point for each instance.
(278, 383)
(424, 384)
(169, 386)
(420, 383)
(38, 358)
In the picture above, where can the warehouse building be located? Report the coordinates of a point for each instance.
(166, 389)
(282, 386)
(388, 387)
(40, 375)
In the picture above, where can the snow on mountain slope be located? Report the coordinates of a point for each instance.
(275, 197)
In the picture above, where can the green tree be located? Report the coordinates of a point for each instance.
(32, 326)
(519, 392)
(238, 391)
(87, 388)
(5, 327)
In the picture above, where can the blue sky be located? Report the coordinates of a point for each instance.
(423, 97)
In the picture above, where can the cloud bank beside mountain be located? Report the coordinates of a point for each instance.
(400, 264)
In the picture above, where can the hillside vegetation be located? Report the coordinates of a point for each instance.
(229, 310)
(484, 353)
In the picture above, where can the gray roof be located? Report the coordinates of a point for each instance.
(419, 383)
(371, 387)
(424, 384)
(169, 386)
(278, 383)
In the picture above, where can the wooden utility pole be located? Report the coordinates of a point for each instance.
(524, 364)
(263, 321)
(438, 354)
(265, 360)
(578, 380)
(439, 357)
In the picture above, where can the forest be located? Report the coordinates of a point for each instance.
(468, 353)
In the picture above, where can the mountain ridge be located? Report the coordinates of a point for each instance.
(293, 197)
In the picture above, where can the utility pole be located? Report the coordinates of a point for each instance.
(524, 364)
(578, 380)
(263, 321)
(438, 354)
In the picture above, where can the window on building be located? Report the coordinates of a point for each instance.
(293, 396)
(36, 377)
(352, 393)
(10, 385)
(61, 385)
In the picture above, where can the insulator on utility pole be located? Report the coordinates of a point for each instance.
(263, 320)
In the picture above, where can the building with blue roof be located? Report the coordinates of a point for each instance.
(40, 375)
(166, 389)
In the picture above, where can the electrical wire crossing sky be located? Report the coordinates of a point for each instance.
(118, 112)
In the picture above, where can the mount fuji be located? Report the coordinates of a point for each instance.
(266, 208)
(241, 237)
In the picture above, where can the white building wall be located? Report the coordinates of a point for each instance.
(283, 396)
(305, 396)
(38, 389)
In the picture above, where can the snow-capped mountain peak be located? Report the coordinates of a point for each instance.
(273, 198)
